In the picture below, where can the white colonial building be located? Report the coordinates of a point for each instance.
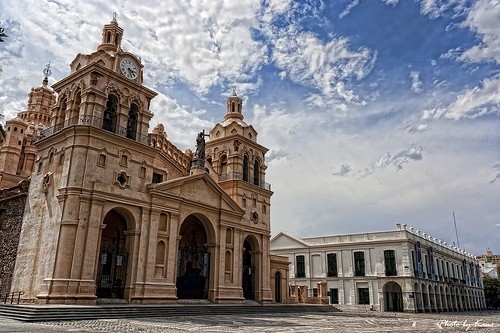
(401, 270)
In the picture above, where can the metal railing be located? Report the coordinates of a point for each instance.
(12, 296)
(246, 178)
(96, 122)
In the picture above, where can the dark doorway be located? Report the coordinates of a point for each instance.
(248, 271)
(277, 287)
(193, 260)
(393, 297)
(113, 258)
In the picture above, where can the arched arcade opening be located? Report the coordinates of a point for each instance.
(113, 257)
(393, 296)
(193, 263)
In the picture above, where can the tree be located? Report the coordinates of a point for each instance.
(492, 293)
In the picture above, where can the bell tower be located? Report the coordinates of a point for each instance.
(236, 161)
(94, 153)
(111, 36)
(17, 151)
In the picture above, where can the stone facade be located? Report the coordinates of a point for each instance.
(12, 202)
(117, 212)
(402, 270)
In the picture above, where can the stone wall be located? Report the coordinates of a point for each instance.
(12, 203)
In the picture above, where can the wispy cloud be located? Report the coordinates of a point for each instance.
(418, 128)
(483, 20)
(471, 103)
(496, 167)
(343, 170)
(411, 153)
(416, 83)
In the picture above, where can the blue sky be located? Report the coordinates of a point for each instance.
(375, 112)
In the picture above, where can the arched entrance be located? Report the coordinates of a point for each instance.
(248, 280)
(113, 257)
(277, 287)
(193, 260)
(393, 297)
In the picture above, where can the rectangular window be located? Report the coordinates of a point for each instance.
(363, 296)
(315, 292)
(334, 295)
(102, 160)
(142, 172)
(332, 264)
(390, 263)
(301, 267)
(359, 263)
(157, 178)
(414, 262)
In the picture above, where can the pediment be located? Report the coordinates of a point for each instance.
(198, 189)
(286, 241)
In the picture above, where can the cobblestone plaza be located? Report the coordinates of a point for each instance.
(484, 322)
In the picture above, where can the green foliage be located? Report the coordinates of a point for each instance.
(492, 293)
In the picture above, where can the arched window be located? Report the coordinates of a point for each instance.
(76, 105)
(222, 165)
(109, 119)
(160, 259)
(245, 168)
(108, 39)
(256, 173)
(132, 121)
(60, 114)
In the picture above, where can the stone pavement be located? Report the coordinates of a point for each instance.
(340, 322)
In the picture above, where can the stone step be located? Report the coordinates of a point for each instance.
(62, 312)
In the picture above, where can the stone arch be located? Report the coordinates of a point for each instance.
(250, 269)
(256, 172)
(133, 116)
(418, 298)
(222, 164)
(77, 100)
(194, 257)
(246, 167)
(393, 297)
(113, 269)
(109, 121)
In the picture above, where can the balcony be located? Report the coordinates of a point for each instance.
(248, 179)
(92, 121)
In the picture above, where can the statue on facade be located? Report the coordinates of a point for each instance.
(198, 159)
(200, 146)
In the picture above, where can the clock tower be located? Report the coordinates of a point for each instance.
(95, 154)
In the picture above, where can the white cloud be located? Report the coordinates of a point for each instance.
(497, 170)
(484, 20)
(180, 121)
(416, 83)
(343, 170)
(348, 9)
(471, 103)
(435, 8)
(325, 66)
(418, 128)
(411, 153)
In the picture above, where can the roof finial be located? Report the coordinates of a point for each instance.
(234, 91)
(115, 14)
(47, 72)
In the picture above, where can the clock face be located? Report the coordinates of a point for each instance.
(128, 69)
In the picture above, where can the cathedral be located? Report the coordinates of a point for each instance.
(116, 211)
